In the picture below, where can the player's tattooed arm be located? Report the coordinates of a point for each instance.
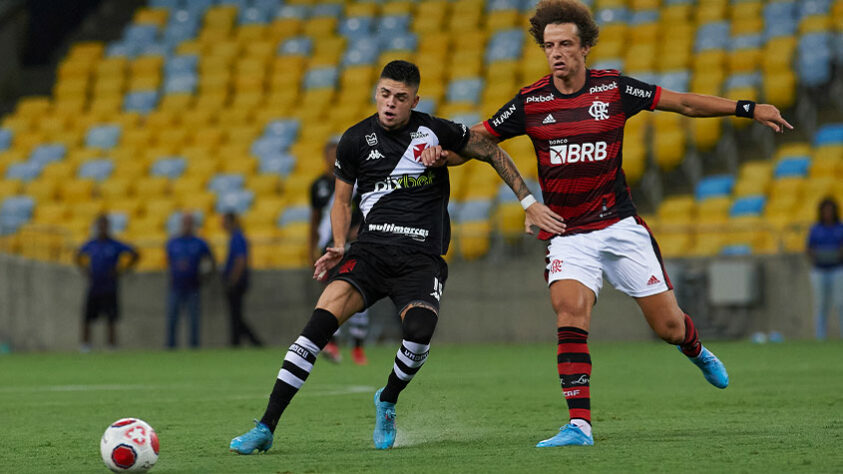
(482, 148)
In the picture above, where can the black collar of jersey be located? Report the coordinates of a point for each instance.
(376, 123)
(570, 96)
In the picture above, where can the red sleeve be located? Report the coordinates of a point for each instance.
(656, 98)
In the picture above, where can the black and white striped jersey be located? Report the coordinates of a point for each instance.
(403, 202)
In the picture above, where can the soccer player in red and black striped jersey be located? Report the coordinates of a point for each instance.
(575, 117)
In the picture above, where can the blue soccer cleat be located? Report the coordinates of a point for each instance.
(713, 370)
(384, 434)
(259, 437)
(569, 435)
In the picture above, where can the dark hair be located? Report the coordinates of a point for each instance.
(564, 11)
(828, 201)
(230, 216)
(402, 71)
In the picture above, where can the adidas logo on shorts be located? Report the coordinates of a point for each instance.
(549, 119)
(653, 281)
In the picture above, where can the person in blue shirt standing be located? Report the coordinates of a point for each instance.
(98, 259)
(825, 249)
(235, 276)
(185, 254)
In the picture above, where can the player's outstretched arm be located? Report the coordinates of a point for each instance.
(700, 105)
(483, 147)
(340, 222)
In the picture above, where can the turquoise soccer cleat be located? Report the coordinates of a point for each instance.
(569, 435)
(713, 370)
(384, 434)
(259, 437)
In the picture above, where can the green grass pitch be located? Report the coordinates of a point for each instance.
(473, 408)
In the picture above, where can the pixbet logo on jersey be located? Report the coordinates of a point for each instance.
(404, 181)
(577, 153)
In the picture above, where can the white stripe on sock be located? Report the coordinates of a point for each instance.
(308, 344)
(401, 375)
(287, 377)
(299, 361)
(416, 347)
(410, 362)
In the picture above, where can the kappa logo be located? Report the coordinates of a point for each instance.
(556, 265)
(549, 119)
(653, 281)
(337, 164)
(372, 139)
(348, 266)
(599, 110)
(418, 149)
(374, 155)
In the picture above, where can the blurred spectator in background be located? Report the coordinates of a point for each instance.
(99, 259)
(235, 279)
(825, 248)
(321, 237)
(185, 254)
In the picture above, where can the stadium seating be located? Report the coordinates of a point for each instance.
(220, 106)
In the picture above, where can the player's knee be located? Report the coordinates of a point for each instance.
(571, 316)
(419, 324)
(671, 330)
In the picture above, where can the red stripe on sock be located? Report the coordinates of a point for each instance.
(571, 368)
(580, 413)
(572, 347)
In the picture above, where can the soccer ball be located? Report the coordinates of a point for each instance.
(129, 445)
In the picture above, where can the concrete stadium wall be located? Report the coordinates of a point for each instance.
(502, 298)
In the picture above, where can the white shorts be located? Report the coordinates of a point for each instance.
(625, 251)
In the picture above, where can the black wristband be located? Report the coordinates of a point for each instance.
(745, 108)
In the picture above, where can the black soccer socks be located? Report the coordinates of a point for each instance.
(690, 346)
(419, 324)
(298, 363)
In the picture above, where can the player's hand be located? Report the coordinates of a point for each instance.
(332, 257)
(770, 116)
(434, 156)
(540, 215)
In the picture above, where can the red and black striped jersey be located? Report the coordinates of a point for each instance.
(578, 140)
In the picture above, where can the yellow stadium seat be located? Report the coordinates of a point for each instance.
(793, 149)
(267, 184)
(179, 101)
(76, 190)
(473, 239)
(33, 107)
(161, 119)
(87, 211)
(10, 188)
(818, 188)
(787, 186)
(675, 244)
(203, 168)
(430, 16)
(158, 207)
(640, 57)
(680, 13)
(251, 34)
(189, 183)
(51, 213)
(151, 16)
(744, 60)
(173, 138)
(709, 12)
(668, 140)
(125, 204)
(200, 201)
(112, 67)
(502, 19)
(814, 24)
(44, 189)
(779, 88)
(151, 186)
(828, 165)
(320, 27)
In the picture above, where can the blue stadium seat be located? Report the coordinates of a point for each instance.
(277, 163)
(830, 134)
(792, 166)
(676, 81)
(814, 7)
(502, 5)
(97, 170)
(173, 224)
(736, 250)
(117, 222)
(181, 64)
(355, 27)
(505, 45)
(198, 5)
(607, 16)
(393, 25)
(169, 167)
(299, 45)
(332, 10)
(320, 78)
(643, 17)
(226, 182)
(255, 16)
(181, 83)
(139, 35)
(48, 153)
(266, 146)
(778, 11)
(140, 101)
(813, 59)
(288, 129)
(26, 171)
(293, 214)
(168, 4)
(6, 136)
(103, 136)
(156, 49)
(748, 206)
(609, 64)
(713, 35)
(427, 106)
(271, 6)
(399, 42)
(298, 12)
(361, 50)
(120, 49)
(838, 48)
(751, 41)
(239, 4)
(739, 81)
(465, 90)
(182, 26)
(474, 210)
(238, 201)
(779, 27)
(529, 6)
(505, 194)
(468, 119)
(714, 186)
(17, 206)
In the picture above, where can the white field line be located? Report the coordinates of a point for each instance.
(316, 391)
